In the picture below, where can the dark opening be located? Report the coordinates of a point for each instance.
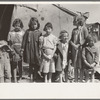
(5, 20)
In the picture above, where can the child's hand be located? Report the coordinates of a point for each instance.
(93, 65)
(48, 57)
(77, 46)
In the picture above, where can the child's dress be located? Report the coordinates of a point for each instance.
(48, 46)
(15, 39)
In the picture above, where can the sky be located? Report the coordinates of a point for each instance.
(93, 9)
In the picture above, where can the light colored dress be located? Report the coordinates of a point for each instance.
(15, 39)
(48, 46)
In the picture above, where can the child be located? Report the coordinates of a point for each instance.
(48, 47)
(5, 68)
(30, 46)
(90, 57)
(61, 56)
(15, 41)
(77, 41)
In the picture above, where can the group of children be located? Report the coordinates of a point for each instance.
(54, 59)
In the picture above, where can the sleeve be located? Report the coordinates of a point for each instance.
(96, 60)
(9, 39)
(55, 41)
(84, 58)
(24, 40)
(85, 32)
(83, 54)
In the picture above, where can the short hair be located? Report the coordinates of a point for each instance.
(34, 19)
(62, 33)
(18, 21)
(89, 38)
(48, 25)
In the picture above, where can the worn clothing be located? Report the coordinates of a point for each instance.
(30, 45)
(5, 68)
(78, 37)
(61, 56)
(91, 55)
(48, 46)
(15, 41)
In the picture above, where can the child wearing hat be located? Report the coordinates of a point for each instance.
(48, 47)
(90, 56)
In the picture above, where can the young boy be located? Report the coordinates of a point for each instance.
(90, 57)
(5, 68)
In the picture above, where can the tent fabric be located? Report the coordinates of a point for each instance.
(5, 20)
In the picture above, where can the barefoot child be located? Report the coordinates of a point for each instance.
(90, 57)
(48, 47)
(61, 56)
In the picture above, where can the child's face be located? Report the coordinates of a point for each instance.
(65, 37)
(34, 25)
(91, 43)
(48, 30)
(17, 27)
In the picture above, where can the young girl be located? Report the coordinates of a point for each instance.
(30, 46)
(15, 40)
(61, 56)
(48, 47)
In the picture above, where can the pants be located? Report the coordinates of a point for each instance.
(16, 67)
(5, 68)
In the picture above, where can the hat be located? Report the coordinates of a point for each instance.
(2, 43)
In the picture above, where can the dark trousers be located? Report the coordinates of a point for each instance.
(16, 67)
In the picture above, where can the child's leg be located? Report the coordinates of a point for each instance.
(50, 77)
(87, 75)
(92, 76)
(7, 71)
(1, 79)
(60, 80)
(66, 74)
(31, 72)
(20, 69)
(81, 74)
(45, 77)
(76, 74)
(14, 71)
(8, 80)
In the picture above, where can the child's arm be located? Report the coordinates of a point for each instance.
(96, 59)
(84, 58)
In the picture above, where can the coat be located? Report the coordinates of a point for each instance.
(91, 55)
(59, 57)
(30, 45)
(76, 55)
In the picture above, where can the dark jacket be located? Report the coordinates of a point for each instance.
(91, 55)
(59, 57)
(30, 45)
